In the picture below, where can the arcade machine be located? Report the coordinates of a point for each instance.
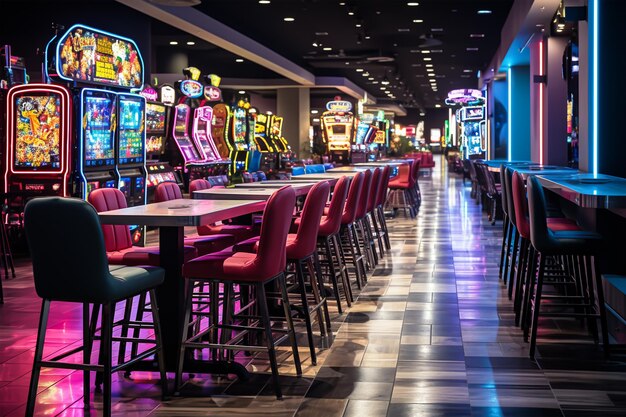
(159, 170)
(262, 142)
(203, 117)
(338, 125)
(279, 143)
(364, 136)
(237, 136)
(472, 128)
(220, 127)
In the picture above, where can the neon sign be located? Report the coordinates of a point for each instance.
(339, 106)
(467, 96)
(85, 54)
(212, 93)
(191, 88)
(149, 93)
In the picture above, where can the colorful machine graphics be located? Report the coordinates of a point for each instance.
(260, 138)
(203, 116)
(98, 127)
(220, 125)
(240, 129)
(338, 130)
(155, 127)
(181, 137)
(131, 129)
(275, 132)
(89, 55)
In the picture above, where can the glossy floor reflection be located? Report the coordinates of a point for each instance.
(431, 334)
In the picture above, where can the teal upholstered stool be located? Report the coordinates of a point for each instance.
(74, 268)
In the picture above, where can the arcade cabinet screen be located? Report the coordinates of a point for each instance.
(239, 128)
(361, 132)
(155, 117)
(37, 132)
(339, 129)
(99, 147)
(131, 129)
(180, 132)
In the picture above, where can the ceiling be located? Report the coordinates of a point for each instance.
(422, 51)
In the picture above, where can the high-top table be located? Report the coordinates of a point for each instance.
(349, 168)
(587, 190)
(382, 164)
(171, 217)
(250, 191)
(327, 175)
(528, 170)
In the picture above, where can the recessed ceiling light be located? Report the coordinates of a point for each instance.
(371, 78)
(366, 74)
(321, 33)
(350, 13)
(471, 49)
(359, 70)
(383, 88)
(328, 48)
(467, 70)
(358, 25)
(412, 3)
(422, 114)
(426, 51)
(432, 80)
(418, 21)
(477, 35)
(347, 63)
(428, 65)
(191, 43)
(484, 12)
(289, 19)
(403, 30)
(264, 1)
(242, 91)
(173, 43)
(314, 111)
(374, 82)
(437, 105)
(315, 44)
(429, 69)
(239, 60)
(316, 120)
(436, 29)
(368, 37)
(342, 3)
(428, 59)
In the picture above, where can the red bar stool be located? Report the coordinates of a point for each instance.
(328, 246)
(416, 194)
(239, 232)
(349, 240)
(169, 190)
(380, 221)
(370, 219)
(74, 269)
(400, 190)
(582, 246)
(364, 239)
(254, 270)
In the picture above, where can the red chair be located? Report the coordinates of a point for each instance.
(254, 270)
(400, 190)
(239, 232)
(370, 219)
(378, 214)
(349, 240)
(362, 228)
(119, 245)
(167, 191)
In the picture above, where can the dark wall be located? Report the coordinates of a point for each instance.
(31, 29)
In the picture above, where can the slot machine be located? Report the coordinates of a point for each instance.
(338, 125)
(238, 138)
(203, 117)
(263, 144)
(157, 167)
(365, 132)
(220, 127)
(472, 118)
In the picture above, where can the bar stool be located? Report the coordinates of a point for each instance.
(362, 232)
(349, 241)
(254, 270)
(169, 190)
(370, 218)
(415, 189)
(74, 269)
(380, 222)
(507, 229)
(400, 190)
(239, 232)
(583, 246)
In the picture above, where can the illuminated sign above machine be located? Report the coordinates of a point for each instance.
(339, 106)
(212, 93)
(473, 113)
(465, 97)
(149, 93)
(85, 54)
(191, 88)
(168, 94)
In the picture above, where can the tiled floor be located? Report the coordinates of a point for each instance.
(431, 334)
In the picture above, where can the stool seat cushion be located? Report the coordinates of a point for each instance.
(224, 265)
(571, 242)
(132, 280)
(143, 256)
(561, 224)
(210, 243)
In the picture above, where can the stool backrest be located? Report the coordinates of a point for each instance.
(116, 236)
(349, 210)
(508, 196)
(371, 198)
(271, 257)
(537, 213)
(415, 172)
(332, 222)
(166, 191)
(518, 188)
(199, 184)
(68, 254)
(361, 209)
(381, 195)
(306, 238)
(505, 209)
(404, 173)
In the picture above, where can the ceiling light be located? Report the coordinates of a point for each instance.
(477, 35)
(342, 3)
(347, 63)
(314, 111)
(467, 70)
(428, 65)
(437, 105)
(383, 88)
(471, 49)
(264, 2)
(436, 29)
(368, 37)
(316, 120)
(191, 43)
(426, 51)
(365, 74)
(315, 44)
(359, 70)
(242, 91)
(413, 3)
(484, 12)
(422, 114)
(289, 19)
(173, 43)
(239, 60)
(418, 21)
(428, 59)
(327, 48)
(429, 69)
(374, 82)
(321, 33)
(358, 25)
(432, 80)
(371, 78)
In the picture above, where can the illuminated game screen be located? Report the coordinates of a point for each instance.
(98, 130)
(361, 132)
(339, 129)
(240, 129)
(155, 117)
(131, 131)
(181, 118)
(37, 132)
(154, 143)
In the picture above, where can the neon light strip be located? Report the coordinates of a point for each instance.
(596, 24)
(510, 112)
(541, 103)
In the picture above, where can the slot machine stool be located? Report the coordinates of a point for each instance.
(75, 269)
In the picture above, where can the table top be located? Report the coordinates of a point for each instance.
(393, 163)
(277, 184)
(350, 168)
(327, 175)
(588, 190)
(529, 170)
(249, 193)
(182, 212)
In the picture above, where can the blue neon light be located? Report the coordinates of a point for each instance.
(510, 113)
(596, 24)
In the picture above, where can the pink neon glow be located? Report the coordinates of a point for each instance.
(64, 138)
(541, 104)
(202, 133)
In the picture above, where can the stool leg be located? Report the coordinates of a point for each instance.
(601, 306)
(528, 290)
(305, 308)
(537, 306)
(512, 266)
(34, 376)
(160, 357)
(316, 286)
(383, 222)
(128, 306)
(290, 326)
(267, 326)
(332, 272)
(360, 256)
(87, 345)
(341, 262)
(188, 302)
(505, 232)
(106, 346)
